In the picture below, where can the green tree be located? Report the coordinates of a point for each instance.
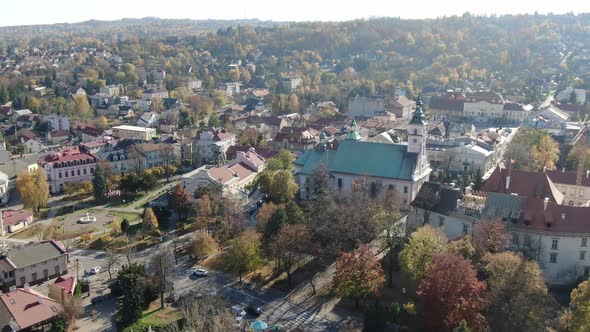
(417, 254)
(130, 304)
(358, 274)
(243, 254)
(478, 182)
(291, 244)
(546, 153)
(4, 95)
(277, 221)
(283, 187)
(294, 213)
(462, 327)
(100, 184)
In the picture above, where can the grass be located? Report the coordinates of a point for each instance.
(121, 215)
(27, 233)
(155, 316)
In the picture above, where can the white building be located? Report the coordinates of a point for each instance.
(4, 188)
(33, 264)
(67, 166)
(210, 146)
(111, 90)
(148, 120)
(231, 88)
(134, 132)
(400, 169)
(57, 122)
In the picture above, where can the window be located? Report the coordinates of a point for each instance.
(584, 241)
(465, 228)
(339, 183)
(391, 187)
(59, 175)
(85, 169)
(56, 269)
(415, 131)
(72, 173)
(515, 239)
(23, 280)
(553, 258)
(34, 276)
(91, 170)
(586, 271)
(554, 244)
(441, 221)
(582, 255)
(405, 189)
(78, 172)
(45, 273)
(415, 140)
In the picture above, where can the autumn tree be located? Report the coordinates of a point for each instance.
(578, 313)
(243, 254)
(517, 298)
(358, 275)
(283, 187)
(82, 107)
(202, 245)
(450, 292)
(160, 265)
(157, 105)
(545, 154)
(290, 245)
(491, 235)
(424, 244)
(100, 184)
(169, 157)
(293, 103)
(72, 308)
(150, 221)
(264, 213)
(33, 189)
(209, 314)
(179, 200)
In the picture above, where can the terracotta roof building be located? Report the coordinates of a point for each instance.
(24, 308)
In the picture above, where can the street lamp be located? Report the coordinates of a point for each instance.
(78, 268)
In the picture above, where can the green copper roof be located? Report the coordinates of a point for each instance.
(418, 117)
(362, 158)
(353, 135)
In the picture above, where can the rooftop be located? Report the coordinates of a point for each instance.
(35, 253)
(132, 128)
(28, 307)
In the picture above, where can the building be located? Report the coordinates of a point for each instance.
(368, 107)
(4, 188)
(14, 220)
(210, 146)
(233, 177)
(148, 120)
(155, 155)
(231, 88)
(570, 94)
(59, 136)
(158, 75)
(151, 94)
(62, 288)
(57, 122)
(134, 132)
(399, 169)
(111, 90)
(191, 84)
(33, 264)
(66, 166)
(479, 106)
(296, 138)
(267, 126)
(89, 134)
(291, 83)
(551, 119)
(23, 309)
(567, 183)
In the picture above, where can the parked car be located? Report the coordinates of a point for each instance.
(253, 310)
(238, 311)
(200, 272)
(95, 270)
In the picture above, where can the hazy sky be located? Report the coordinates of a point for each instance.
(24, 12)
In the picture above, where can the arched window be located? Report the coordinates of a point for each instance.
(415, 131)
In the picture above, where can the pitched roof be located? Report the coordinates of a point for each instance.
(35, 253)
(264, 152)
(554, 217)
(523, 183)
(67, 283)
(568, 178)
(11, 217)
(221, 174)
(362, 158)
(28, 307)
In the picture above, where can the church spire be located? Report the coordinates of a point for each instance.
(418, 117)
(353, 134)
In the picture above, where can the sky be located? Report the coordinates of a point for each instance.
(26, 12)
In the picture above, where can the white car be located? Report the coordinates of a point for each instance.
(200, 272)
(238, 311)
(95, 270)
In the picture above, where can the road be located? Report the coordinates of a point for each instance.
(276, 307)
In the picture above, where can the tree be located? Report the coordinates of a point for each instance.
(579, 317)
(462, 327)
(101, 122)
(293, 103)
(100, 184)
(451, 292)
(202, 245)
(243, 254)
(72, 308)
(209, 314)
(150, 221)
(491, 235)
(517, 298)
(546, 153)
(358, 274)
(179, 200)
(33, 189)
(274, 225)
(130, 304)
(111, 261)
(81, 107)
(169, 157)
(264, 214)
(160, 264)
(157, 105)
(425, 243)
(478, 180)
(294, 213)
(393, 234)
(283, 187)
(290, 245)
(4, 95)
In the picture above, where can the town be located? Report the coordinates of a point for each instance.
(160, 175)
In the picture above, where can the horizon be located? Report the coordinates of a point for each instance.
(69, 12)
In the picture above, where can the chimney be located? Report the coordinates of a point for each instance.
(507, 182)
(563, 216)
(39, 299)
(545, 203)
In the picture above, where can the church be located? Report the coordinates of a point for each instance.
(400, 169)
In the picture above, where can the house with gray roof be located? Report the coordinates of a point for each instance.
(399, 169)
(33, 264)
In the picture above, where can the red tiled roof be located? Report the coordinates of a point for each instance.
(523, 183)
(91, 131)
(554, 217)
(66, 155)
(568, 178)
(60, 133)
(11, 217)
(221, 174)
(28, 307)
(68, 284)
(242, 170)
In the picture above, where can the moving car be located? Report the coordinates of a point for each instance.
(95, 270)
(200, 272)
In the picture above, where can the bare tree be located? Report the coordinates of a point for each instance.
(161, 264)
(129, 250)
(168, 156)
(72, 308)
(111, 261)
(137, 156)
(207, 315)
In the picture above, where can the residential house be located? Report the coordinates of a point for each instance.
(167, 126)
(296, 139)
(89, 133)
(134, 132)
(16, 166)
(550, 119)
(14, 220)
(230, 88)
(267, 126)
(57, 122)
(111, 90)
(33, 264)
(23, 309)
(570, 94)
(398, 169)
(233, 176)
(367, 107)
(148, 120)
(72, 165)
(4, 188)
(58, 136)
(191, 84)
(62, 288)
(152, 93)
(401, 106)
(291, 83)
(210, 146)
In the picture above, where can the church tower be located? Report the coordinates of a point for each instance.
(417, 130)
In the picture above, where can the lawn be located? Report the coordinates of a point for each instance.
(131, 217)
(27, 233)
(160, 317)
